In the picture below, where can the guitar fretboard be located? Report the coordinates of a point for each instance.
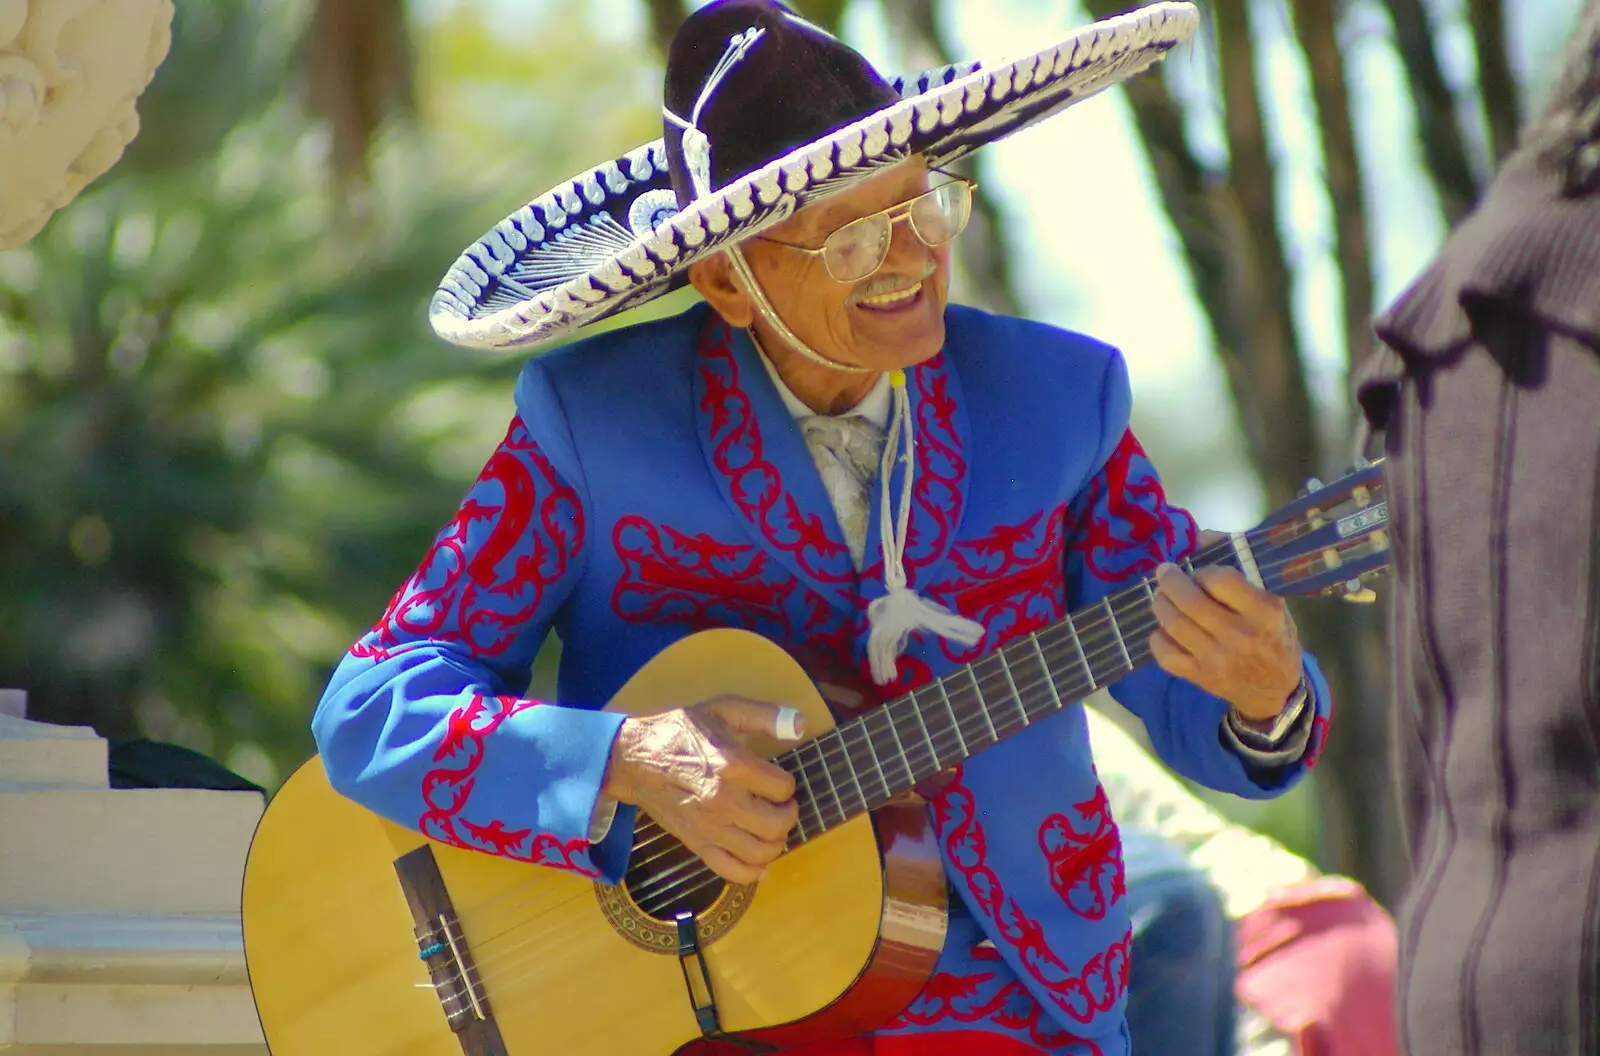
(866, 762)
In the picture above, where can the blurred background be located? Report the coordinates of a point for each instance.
(226, 433)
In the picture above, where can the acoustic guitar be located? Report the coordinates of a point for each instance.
(363, 937)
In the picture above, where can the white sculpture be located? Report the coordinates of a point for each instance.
(71, 72)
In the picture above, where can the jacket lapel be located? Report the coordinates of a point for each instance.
(760, 463)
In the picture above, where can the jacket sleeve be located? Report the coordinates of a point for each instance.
(1120, 529)
(424, 721)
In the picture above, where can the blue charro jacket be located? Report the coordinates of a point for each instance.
(653, 484)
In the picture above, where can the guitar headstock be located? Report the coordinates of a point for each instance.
(1330, 540)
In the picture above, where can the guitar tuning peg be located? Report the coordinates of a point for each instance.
(1312, 484)
(1356, 592)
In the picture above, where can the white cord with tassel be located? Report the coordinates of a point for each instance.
(901, 611)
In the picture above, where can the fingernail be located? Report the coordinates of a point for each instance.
(791, 725)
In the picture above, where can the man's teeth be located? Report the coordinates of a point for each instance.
(890, 299)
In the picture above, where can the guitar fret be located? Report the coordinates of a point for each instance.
(1016, 696)
(899, 747)
(828, 774)
(1116, 631)
(1049, 680)
(1077, 643)
(810, 797)
(877, 764)
(850, 767)
(954, 722)
(983, 705)
(933, 750)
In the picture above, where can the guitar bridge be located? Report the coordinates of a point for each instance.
(442, 946)
(697, 982)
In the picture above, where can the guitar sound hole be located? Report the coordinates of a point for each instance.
(665, 878)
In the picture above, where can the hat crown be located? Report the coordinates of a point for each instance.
(748, 81)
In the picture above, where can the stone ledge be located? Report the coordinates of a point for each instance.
(123, 983)
(38, 755)
(138, 851)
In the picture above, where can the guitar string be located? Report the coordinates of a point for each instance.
(1098, 623)
(552, 938)
(1088, 633)
(948, 739)
(830, 755)
(953, 737)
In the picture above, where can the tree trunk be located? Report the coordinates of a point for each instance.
(1496, 82)
(358, 71)
(1227, 224)
(1443, 145)
(1262, 286)
(665, 18)
(1341, 159)
(983, 250)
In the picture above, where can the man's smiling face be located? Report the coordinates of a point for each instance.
(894, 318)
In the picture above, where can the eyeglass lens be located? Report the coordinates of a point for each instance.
(859, 248)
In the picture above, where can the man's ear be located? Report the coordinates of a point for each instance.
(714, 278)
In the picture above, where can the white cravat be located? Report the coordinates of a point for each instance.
(846, 449)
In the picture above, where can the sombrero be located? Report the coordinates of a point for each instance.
(765, 114)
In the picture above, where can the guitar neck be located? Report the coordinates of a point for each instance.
(866, 762)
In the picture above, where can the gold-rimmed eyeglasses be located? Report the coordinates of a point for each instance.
(857, 249)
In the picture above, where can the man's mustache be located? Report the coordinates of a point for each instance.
(879, 285)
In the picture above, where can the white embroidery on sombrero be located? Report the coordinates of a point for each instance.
(654, 208)
(580, 248)
(964, 107)
(696, 146)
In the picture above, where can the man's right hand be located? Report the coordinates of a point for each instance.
(687, 769)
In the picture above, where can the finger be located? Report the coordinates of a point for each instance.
(1210, 539)
(1229, 587)
(747, 848)
(766, 820)
(728, 867)
(1188, 634)
(1173, 658)
(758, 716)
(1187, 596)
(756, 775)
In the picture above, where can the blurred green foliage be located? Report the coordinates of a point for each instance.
(226, 433)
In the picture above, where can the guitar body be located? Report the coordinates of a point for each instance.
(838, 939)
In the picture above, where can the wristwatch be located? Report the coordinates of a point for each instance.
(1282, 726)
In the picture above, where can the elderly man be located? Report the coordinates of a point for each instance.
(1488, 390)
(827, 454)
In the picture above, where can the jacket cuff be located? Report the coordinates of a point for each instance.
(1261, 751)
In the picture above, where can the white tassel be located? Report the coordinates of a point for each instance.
(896, 615)
(901, 611)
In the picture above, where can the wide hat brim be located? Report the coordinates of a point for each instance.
(613, 238)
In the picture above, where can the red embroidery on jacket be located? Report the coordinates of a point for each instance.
(949, 998)
(1012, 581)
(1084, 853)
(1319, 737)
(1121, 524)
(739, 454)
(447, 788)
(461, 592)
(941, 466)
(668, 576)
(1081, 994)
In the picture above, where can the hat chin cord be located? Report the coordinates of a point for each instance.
(893, 618)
